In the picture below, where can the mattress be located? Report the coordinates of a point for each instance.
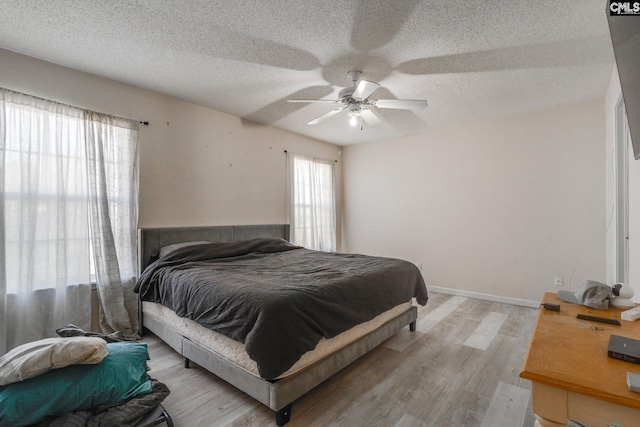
(234, 351)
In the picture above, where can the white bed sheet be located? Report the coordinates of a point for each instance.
(234, 351)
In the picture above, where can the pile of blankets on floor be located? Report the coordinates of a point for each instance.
(78, 379)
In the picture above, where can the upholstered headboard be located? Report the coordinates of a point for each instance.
(150, 240)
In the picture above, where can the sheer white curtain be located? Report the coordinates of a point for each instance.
(312, 202)
(112, 153)
(51, 166)
(44, 235)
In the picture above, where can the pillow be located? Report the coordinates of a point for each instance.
(120, 376)
(37, 357)
(170, 248)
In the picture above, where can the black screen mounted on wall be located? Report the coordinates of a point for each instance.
(625, 36)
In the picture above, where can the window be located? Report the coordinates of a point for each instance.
(312, 202)
(45, 198)
(68, 214)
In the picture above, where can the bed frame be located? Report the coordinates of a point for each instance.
(277, 395)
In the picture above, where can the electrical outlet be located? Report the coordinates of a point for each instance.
(557, 280)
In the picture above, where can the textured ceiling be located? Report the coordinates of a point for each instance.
(471, 60)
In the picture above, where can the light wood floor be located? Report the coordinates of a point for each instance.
(460, 368)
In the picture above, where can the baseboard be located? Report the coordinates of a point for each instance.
(487, 297)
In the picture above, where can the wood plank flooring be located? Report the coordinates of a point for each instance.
(459, 368)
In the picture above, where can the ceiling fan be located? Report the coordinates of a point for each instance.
(355, 100)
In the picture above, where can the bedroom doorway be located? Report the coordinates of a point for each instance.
(621, 159)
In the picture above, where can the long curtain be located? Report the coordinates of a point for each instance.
(312, 205)
(45, 280)
(46, 228)
(112, 153)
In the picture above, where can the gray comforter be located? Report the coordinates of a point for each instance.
(276, 298)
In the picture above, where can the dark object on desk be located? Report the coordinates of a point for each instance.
(551, 307)
(624, 348)
(598, 319)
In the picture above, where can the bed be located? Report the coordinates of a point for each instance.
(293, 365)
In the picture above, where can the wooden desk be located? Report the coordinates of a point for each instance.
(572, 376)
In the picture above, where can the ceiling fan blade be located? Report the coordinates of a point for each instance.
(401, 104)
(324, 101)
(364, 89)
(325, 116)
(370, 117)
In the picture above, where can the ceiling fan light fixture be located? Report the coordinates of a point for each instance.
(354, 114)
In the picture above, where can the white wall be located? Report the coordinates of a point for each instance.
(197, 166)
(613, 94)
(494, 208)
